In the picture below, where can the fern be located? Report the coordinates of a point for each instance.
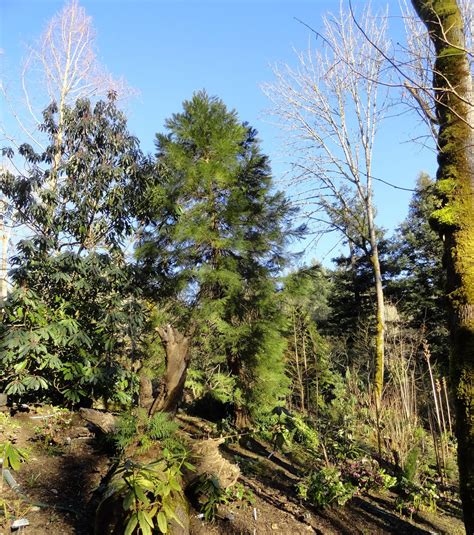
(126, 430)
(161, 427)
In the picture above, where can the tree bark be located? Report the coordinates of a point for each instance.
(454, 103)
(171, 389)
(380, 329)
(242, 418)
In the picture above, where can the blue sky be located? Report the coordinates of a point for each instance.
(169, 48)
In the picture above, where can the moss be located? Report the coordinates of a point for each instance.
(455, 218)
(443, 218)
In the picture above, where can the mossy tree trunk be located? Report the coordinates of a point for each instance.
(380, 312)
(452, 81)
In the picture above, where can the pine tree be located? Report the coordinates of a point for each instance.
(215, 236)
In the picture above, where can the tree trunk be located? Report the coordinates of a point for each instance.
(242, 418)
(4, 238)
(171, 389)
(380, 311)
(455, 220)
(380, 330)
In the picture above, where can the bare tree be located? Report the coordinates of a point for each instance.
(331, 104)
(413, 62)
(60, 67)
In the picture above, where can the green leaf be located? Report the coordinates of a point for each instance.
(144, 526)
(20, 366)
(148, 518)
(141, 495)
(174, 484)
(128, 500)
(162, 522)
(131, 525)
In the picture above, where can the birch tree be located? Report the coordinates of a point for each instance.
(61, 67)
(331, 104)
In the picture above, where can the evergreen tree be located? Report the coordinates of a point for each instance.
(419, 281)
(215, 235)
(68, 325)
(305, 297)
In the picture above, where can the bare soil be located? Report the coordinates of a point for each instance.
(57, 489)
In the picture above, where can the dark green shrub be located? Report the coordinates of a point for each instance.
(326, 487)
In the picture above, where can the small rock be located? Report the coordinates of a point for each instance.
(54, 491)
(274, 526)
(35, 509)
(19, 523)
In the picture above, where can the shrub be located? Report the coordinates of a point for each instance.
(138, 427)
(326, 487)
(365, 474)
(150, 492)
(208, 494)
(415, 497)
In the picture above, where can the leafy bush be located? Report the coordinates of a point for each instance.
(208, 494)
(365, 474)
(304, 433)
(60, 340)
(415, 497)
(286, 429)
(326, 487)
(150, 492)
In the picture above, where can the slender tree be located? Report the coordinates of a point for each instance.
(454, 107)
(332, 104)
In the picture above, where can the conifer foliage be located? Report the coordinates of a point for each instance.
(215, 237)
